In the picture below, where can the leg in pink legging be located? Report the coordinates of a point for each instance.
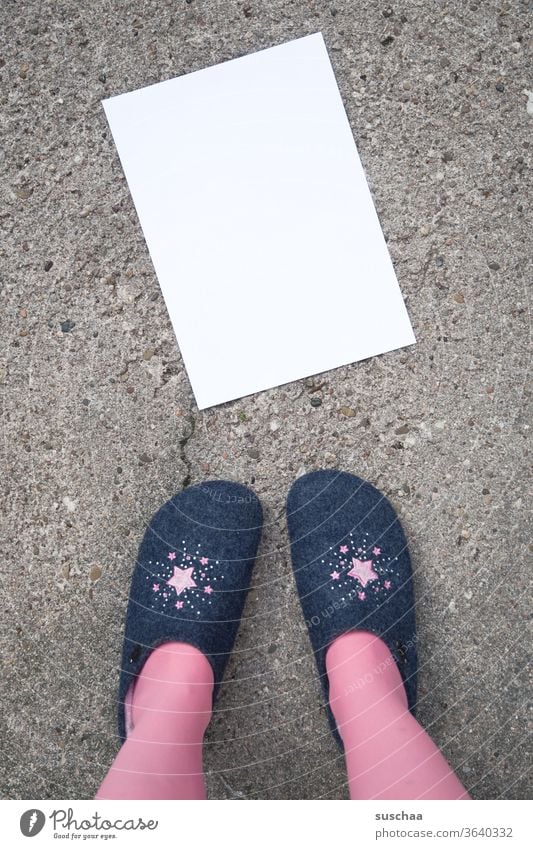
(388, 754)
(170, 708)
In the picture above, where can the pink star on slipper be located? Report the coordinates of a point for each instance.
(343, 549)
(208, 590)
(335, 575)
(182, 579)
(155, 588)
(171, 555)
(376, 550)
(362, 571)
(204, 561)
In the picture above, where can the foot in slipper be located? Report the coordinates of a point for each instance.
(352, 569)
(191, 578)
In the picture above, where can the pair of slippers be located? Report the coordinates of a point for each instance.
(349, 556)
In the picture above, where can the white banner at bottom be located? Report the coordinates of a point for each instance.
(236, 824)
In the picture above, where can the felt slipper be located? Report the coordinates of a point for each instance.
(352, 569)
(191, 578)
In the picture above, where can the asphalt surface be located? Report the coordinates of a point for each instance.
(100, 425)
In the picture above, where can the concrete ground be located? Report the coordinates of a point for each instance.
(100, 425)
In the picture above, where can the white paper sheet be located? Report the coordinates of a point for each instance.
(259, 221)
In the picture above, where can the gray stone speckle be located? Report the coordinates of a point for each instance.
(72, 521)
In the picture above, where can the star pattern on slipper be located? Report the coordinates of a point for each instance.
(357, 563)
(190, 573)
(182, 579)
(362, 571)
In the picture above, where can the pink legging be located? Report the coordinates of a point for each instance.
(388, 754)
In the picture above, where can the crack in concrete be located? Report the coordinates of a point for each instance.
(184, 441)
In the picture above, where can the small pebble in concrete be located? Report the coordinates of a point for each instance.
(347, 411)
(316, 401)
(66, 326)
(253, 453)
(48, 265)
(500, 87)
(69, 503)
(494, 266)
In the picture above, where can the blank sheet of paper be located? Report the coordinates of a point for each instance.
(259, 221)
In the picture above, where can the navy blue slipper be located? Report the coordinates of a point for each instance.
(352, 569)
(191, 578)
